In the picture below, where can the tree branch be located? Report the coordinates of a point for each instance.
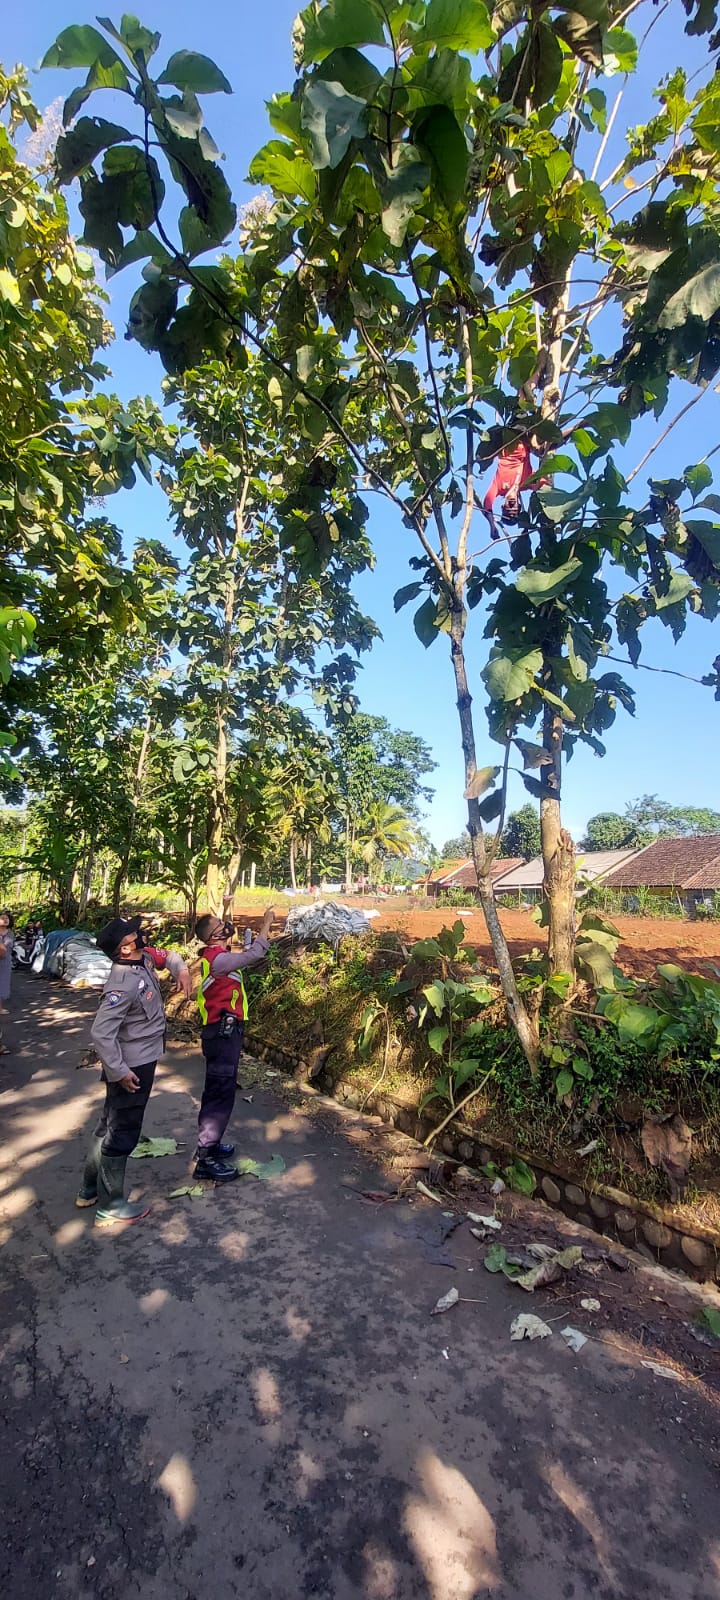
(663, 436)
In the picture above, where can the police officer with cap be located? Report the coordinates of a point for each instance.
(129, 1036)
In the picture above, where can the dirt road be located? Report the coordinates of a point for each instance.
(246, 1395)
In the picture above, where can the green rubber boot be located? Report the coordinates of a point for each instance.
(113, 1209)
(88, 1192)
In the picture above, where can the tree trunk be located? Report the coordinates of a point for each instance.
(105, 881)
(68, 903)
(524, 1026)
(309, 863)
(214, 876)
(558, 852)
(293, 879)
(348, 857)
(124, 860)
(253, 870)
(85, 883)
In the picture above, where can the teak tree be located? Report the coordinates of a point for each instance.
(441, 207)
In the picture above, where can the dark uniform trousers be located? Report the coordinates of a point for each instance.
(222, 1054)
(121, 1118)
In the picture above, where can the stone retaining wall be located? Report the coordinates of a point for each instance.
(652, 1230)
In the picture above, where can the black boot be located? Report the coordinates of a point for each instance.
(224, 1150)
(112, 1205)
(211, 1165)
(88, 1193)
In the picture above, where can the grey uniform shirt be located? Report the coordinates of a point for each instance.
(129, 1028)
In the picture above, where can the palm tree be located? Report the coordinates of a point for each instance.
(385, 830)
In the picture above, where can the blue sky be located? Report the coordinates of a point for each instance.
(671, 747)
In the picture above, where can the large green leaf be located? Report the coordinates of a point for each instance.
(77, 149)
(435, 995)
(331, 117)
(283, 170)
(352, 69)
(559, 506)
(113, 76)
(584, 36)
(437, 134)
(402, 192)
(540, 586)
(404, 595)
(708, 535)
(456, 25)
(706, 124)
(80, 46)
(132, 34)
(444, 79)
(597, 962)
(425, 622)
(700, 298)
(509, 674)
(189, 70)
(437, 1037)
(318, 30)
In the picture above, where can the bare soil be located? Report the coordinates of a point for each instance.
(645, 942)
(247, 1395)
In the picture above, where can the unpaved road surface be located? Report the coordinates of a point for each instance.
(246, 1395)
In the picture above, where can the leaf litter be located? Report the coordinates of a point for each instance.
(248, 1168)
(154, 1147)
(445, 1302)
(529, 1327)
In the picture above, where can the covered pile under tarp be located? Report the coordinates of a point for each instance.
(326, 923)
(74, 956)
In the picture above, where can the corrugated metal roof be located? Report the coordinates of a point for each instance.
(593, 864)
(462, 875)
(672, 864)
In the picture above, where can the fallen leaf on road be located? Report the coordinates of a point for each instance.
(445, 1302)
(496, 1260)
(590, 1305)
(195, 1190)
(428, 1192)
(587, 1149)
(574, 1338)
(498, 1187)
(661, 1372)
(248, 1099)
(154, 1147)
(248, 1168)
(529, 1327)
(709, 1321)
(485, 1222)
(539, 1277)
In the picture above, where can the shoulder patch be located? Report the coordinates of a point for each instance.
(113, 997)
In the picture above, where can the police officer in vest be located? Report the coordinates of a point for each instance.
(129, 1035)
(223, 1010)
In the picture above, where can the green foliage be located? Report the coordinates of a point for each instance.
(521, 835)
(677, 1014)
(412, 289)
